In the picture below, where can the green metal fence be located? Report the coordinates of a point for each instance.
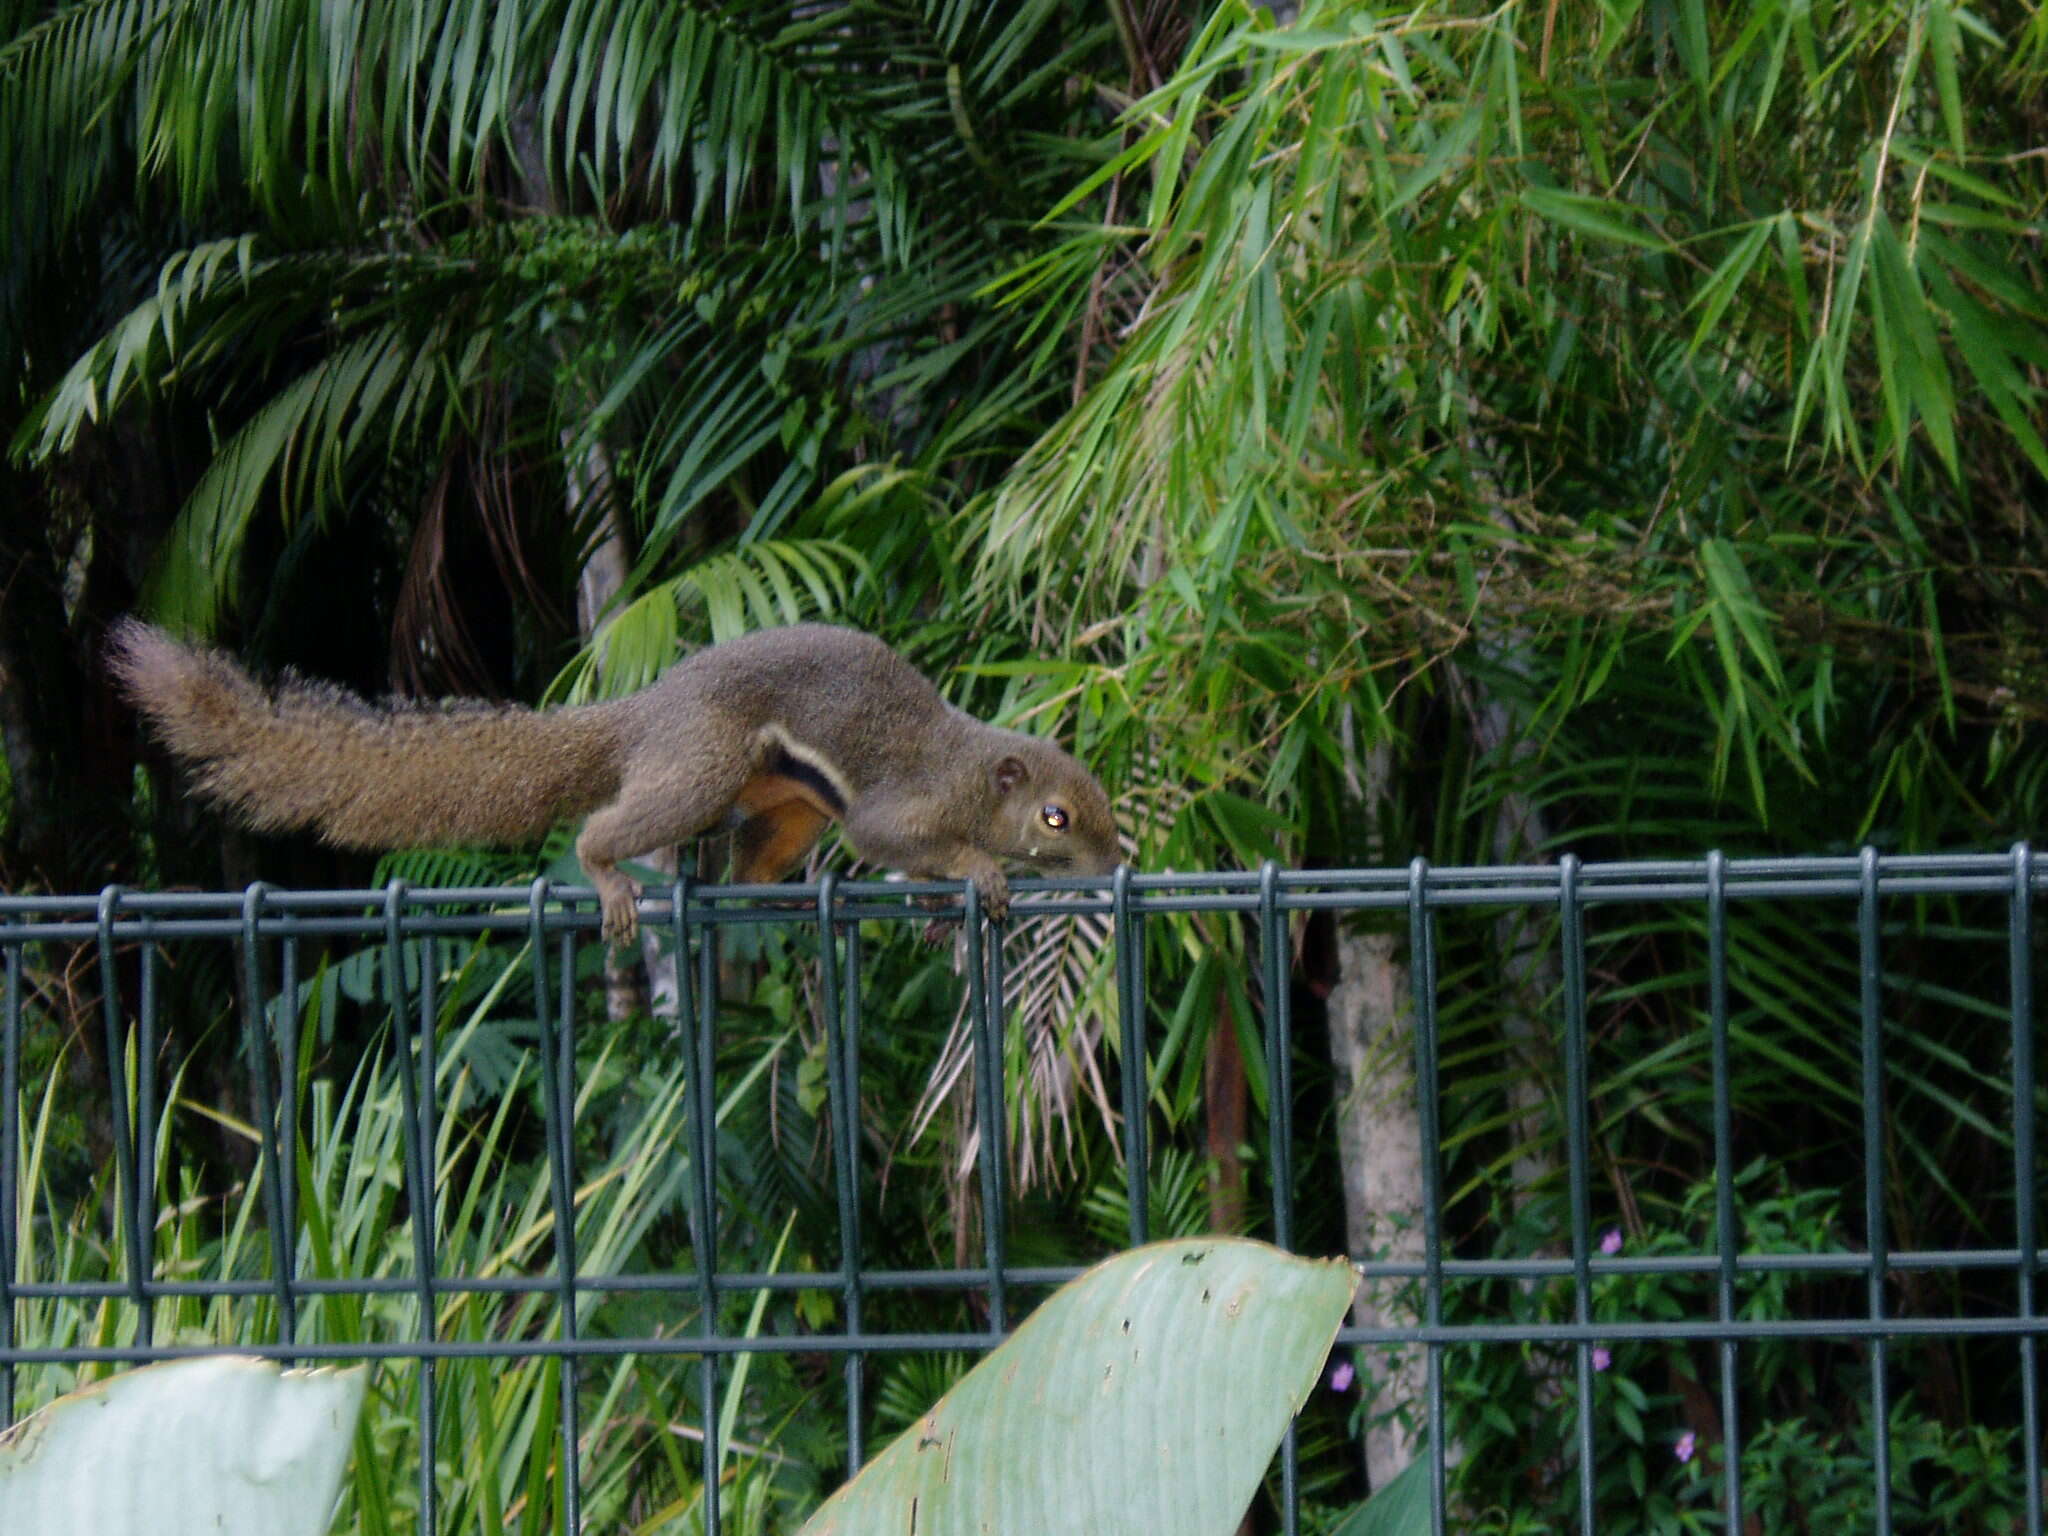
(126, 941)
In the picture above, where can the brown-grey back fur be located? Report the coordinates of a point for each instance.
(883, 720)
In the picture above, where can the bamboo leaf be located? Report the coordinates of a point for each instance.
(1601, 218)
(1448, 147)
(1714, 295)
(1942, 47)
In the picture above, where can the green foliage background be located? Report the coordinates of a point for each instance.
(1462, 430)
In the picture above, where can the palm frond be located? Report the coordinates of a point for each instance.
(298, 441)
(761, 585)
(63, 128)
(1057, 973)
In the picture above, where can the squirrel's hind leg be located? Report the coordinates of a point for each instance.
(650, 811)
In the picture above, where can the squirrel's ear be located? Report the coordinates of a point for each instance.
(1010, 772)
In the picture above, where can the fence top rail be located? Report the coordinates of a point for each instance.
(274, 910)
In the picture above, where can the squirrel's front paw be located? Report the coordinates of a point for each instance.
(995, 894)
(621, 905)
(994, 891)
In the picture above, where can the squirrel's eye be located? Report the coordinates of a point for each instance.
(1054, 816)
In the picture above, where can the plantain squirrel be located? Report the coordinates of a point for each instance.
(783, 730)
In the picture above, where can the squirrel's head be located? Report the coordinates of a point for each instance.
(1050, 812)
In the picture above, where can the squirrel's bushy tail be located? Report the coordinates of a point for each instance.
(365, 775)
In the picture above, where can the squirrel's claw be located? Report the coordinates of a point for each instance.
(621, 905)
(990, 885)
(994, 888)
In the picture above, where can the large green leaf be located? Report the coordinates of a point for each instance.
(1399, 1509)
(1147, 1396)
(225, 1446)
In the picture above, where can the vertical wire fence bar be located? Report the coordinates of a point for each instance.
(2025, 1175)
(10, 1141)
(416, 1195)
(256, 1042)
(1422, 984)
(1573, 932)
(1871, 1006)
(988, 1107)
(287, 1078)
(1141, 1047)
(138, 1268)
(696, 1027)
(995, 1140)
(1279, 1112)
(144, 1192)
(1130, 1018)
(1724, 1185)
(430, 1170)
(564, 1067)
(1279, 1133)
(843, 1113)
(856, 1359)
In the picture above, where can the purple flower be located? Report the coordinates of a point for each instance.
(1687, 1444)
(1341, 1376)
(1610, 1242)
(1601, 1359)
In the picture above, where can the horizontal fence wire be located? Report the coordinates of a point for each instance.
(135, 941)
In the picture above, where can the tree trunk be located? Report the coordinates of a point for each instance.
(1226, 1108)
(1528, 967)
(648, 982)
(1519, 833)
(1379, 1139)
(652, 983)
